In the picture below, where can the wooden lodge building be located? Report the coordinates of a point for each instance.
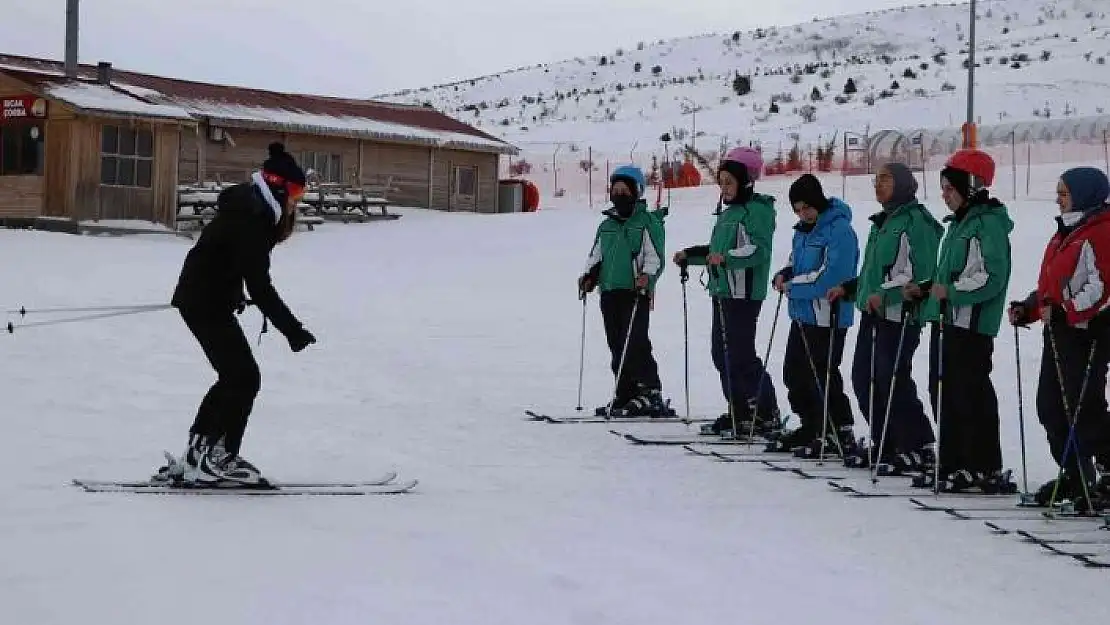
(115, 145)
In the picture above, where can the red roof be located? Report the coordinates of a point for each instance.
(36, 72)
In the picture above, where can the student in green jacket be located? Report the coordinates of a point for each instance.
(968, 296)
(901, 248)
(626, 260)
(739, 261)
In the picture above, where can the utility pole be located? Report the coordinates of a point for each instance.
(970, 138)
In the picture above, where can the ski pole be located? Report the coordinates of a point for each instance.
(940, 392)
(890, 393)
(624, 354)
(834, 323)
(1072, 440)
(11, 328)
(23, 311)
(582, 351)
(1021, 417)
(871, 395)
(720, 303)
(684, 276)
(763, 374)
(816, 380)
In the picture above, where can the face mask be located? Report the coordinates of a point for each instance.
(624, 204)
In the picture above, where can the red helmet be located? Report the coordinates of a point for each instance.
(974, 162)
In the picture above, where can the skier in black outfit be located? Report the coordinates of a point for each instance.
(233, 250)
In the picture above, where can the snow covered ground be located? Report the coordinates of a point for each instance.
(435, 332)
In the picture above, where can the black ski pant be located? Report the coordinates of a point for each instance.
(804, 372)
(227, 405)
(909, 428)
(1092, 432)
(968, 412)
(743, 374)
(640, 367)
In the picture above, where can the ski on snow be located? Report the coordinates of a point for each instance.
(810, 469)
(383, 485)
(683, 439)
(531, 415)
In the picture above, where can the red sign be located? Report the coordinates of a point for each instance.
(22, 107)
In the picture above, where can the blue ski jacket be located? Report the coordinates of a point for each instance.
(822, 256)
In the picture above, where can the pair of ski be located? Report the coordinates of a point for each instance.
(386, 484)
(531, 415)
(1089, 544)
(829, 468)
(684, 440)
(1084, 537)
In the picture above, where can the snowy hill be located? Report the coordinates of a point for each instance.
(1035, 59)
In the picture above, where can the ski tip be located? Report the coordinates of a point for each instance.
(996, 528)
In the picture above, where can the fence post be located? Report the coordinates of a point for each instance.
(555, 170)
(844, 171)
(924, 169)
(1106, 148)
(590, 174)
(1028, 168)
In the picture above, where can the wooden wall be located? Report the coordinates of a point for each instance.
(347, 149)
(443, 196)
(367, 163)
(91, 200)
(21, 196)
(190, 157)
(407, 165)
(226, 163)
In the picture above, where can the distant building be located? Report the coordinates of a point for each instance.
(115, 145)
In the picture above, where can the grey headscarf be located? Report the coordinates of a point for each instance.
(905, 186)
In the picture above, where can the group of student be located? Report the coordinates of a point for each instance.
(951, 275)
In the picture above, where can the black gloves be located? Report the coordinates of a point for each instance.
(300, 339)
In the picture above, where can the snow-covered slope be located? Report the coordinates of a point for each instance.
(435, 332)
(1035, 58)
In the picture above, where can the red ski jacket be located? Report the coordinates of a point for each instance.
(1076, 267)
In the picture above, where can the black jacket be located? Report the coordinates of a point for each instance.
(232, 250)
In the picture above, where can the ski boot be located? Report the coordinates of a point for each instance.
(769, 426)
(998, 483)
(648, 402)
(721, 427)
(177, 470)
(858, 455)
(219, 468)
(837, 445)
(787, 442)
(921, 460)
(607, 410)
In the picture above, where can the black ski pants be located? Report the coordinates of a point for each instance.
(968, 410)
(804, 372)
(743, 374)
(909, 428)
(640, 367)
(227, 405)
(1073, 353)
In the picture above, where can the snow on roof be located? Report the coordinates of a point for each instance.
(95, 97)
(232, 114)
(153, 96)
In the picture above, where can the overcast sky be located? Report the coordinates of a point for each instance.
(368, 47)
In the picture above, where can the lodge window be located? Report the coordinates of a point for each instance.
(21, 150)
(328, 167)
(466, 181)
(126, 157)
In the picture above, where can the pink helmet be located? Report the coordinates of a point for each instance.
(750, 158)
